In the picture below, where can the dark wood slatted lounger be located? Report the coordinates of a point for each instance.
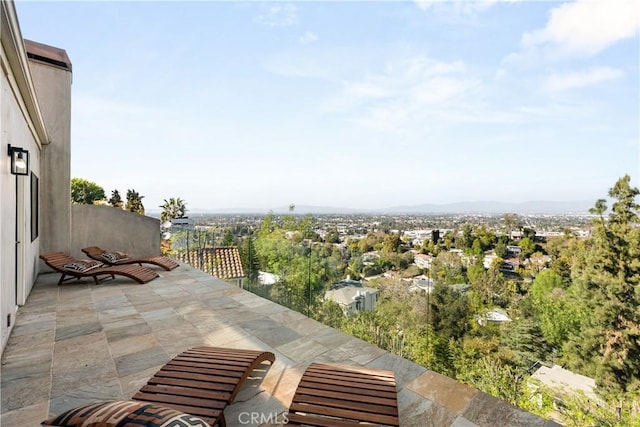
(58, 260)
(160, 261)
(202, 381)
(337, 395)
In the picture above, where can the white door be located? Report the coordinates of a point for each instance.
(21, 240)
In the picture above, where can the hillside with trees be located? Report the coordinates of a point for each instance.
(573, 300)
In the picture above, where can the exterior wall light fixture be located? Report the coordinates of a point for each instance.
(19, 160)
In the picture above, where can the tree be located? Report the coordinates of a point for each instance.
(467, 237)
(523, 338)
(475, 271)
(556, 315)
(391, 243)
(528, 247)
(268, 225)
(512, 222)
(250, 260)
(492, 286)
(228, 239)
(115, 200)
(172, 208)
(134, 202)
(486, 237)
(332, 236)
(329, 313)
(85, 192)
(606, 279)
(447, 269)
(501, 249)
(449, 311)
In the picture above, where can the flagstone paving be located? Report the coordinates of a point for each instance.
(80, 343)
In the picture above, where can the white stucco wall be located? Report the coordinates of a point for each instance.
(15, 130)
(21, 125)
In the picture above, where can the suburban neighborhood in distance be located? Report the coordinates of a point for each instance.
(459, 293)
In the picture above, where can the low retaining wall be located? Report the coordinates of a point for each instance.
(113, 229)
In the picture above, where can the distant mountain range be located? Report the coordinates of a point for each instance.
(534, 207)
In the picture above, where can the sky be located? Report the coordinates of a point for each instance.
(354, 104)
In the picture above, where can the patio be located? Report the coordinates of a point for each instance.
(80, 343)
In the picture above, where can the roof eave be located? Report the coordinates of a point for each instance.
(18, 65)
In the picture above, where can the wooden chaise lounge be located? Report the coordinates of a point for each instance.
(58, 261)
(202, 381)
(337, 395)
(161, 261)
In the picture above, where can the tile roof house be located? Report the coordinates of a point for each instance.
(222, 262)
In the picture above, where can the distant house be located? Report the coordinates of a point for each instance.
(488, 260)
(370, 256)
(510, 264)
(539, 262)
(352, 296)
(427, 286)
(460, 287)
(422, 260)
(495, 316)
(514, 249)
(224, 263)
(563, 384)
(516, 235)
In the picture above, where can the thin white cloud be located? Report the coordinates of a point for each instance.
(403, 93)
(587, 26)
(459, 7)
(408, 81)
(579, 79)
(308, 37)
(279, 15)
(365, 90)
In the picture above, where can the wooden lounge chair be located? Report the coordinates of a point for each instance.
(161, 261)
(58, 260)
(202, 381)
(336, 395)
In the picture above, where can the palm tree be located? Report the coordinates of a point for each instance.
(173, 208)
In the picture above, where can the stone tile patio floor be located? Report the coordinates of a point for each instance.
(80, 342)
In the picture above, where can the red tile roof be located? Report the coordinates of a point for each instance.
(223, 263)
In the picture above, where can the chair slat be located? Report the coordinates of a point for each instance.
(341, 396)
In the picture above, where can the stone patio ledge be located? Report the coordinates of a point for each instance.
(80, 343)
